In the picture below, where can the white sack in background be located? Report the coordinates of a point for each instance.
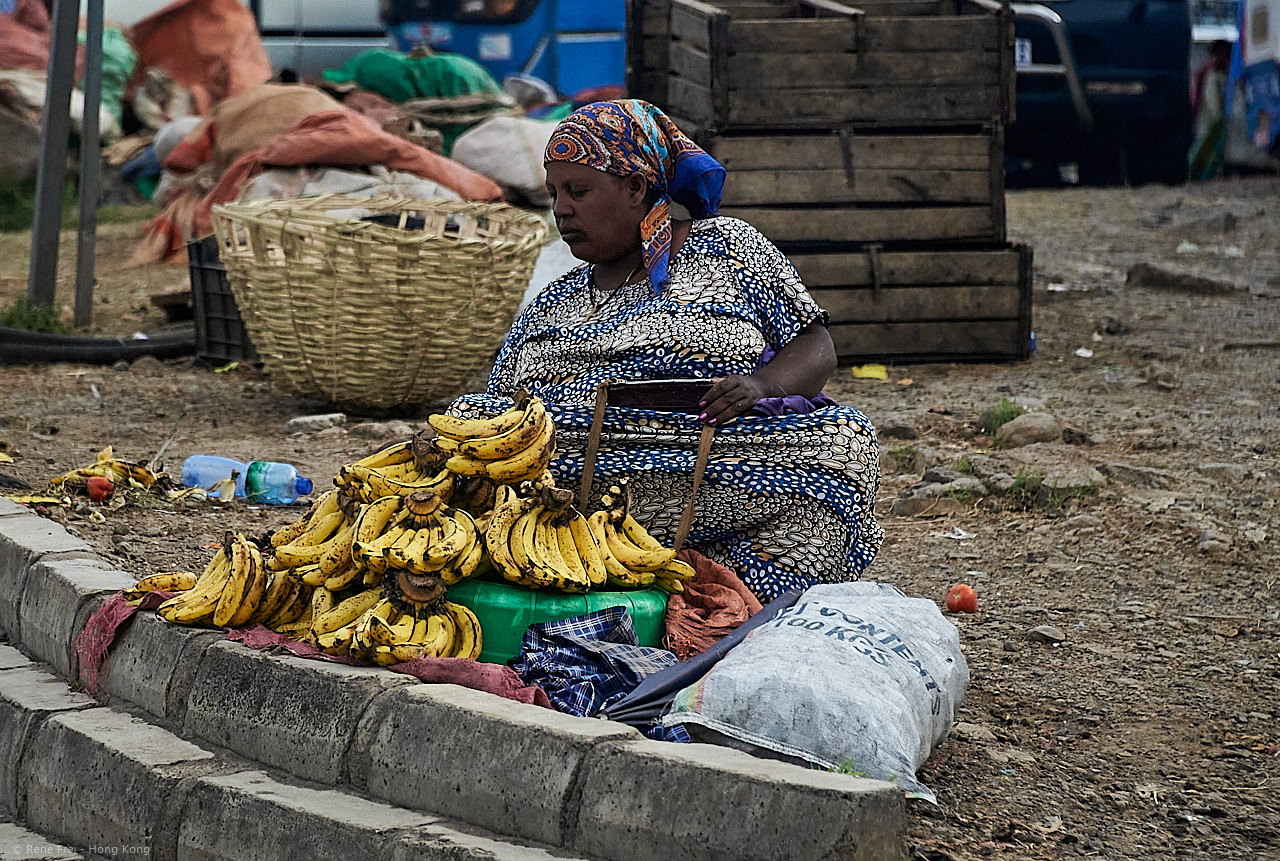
(509, 151)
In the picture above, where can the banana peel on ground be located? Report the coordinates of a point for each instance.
(108, 466)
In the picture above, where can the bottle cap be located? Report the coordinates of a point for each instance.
(303, 486)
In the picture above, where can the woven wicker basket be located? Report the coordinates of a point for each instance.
(377, 314)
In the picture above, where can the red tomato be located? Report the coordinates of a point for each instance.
(99, 488)
(962, 599)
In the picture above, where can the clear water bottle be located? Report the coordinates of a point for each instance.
(257, 481)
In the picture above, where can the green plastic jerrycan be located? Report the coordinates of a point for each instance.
(506, 610)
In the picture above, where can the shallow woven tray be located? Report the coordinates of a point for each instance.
(369, 315)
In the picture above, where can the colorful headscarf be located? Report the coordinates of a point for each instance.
(632, 136)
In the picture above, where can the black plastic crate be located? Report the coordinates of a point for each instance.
(220, 333)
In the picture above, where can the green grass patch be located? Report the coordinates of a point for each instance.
(963, 465)
(1001, 414)
(22, 315)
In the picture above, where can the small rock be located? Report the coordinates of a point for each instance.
(382, 430)
(973, 732)
(313, 423)
(1001, 482)
(147, 366)
(1030, 428)
(1082, 520)
(1046, 634)
(1135, 476)
(1224, 472)
(942, 475)
(1011, 754)
(1010, 646)
(967, 485)
(900, 426)
(120, 365)
(1144, 275)
(940, 507)
(1213, 541)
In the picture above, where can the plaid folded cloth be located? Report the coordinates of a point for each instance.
(587, 662)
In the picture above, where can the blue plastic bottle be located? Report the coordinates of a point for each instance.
(257, 481)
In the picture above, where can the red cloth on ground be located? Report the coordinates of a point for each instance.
(210, 47)
(491, 678)
(25, 37)
(711, 605)
(496, 679)
(93, 643)
(344, 138)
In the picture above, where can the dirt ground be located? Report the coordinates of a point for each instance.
(1152, 729)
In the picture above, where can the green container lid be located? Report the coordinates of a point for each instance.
(506, 610)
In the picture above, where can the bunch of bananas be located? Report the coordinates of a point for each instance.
(236, 589)
(369, 627)
(418, 533)
(541, 540)
(315, 550)
(107, 465)
(511, 447)
(632, 556)
(396, 470)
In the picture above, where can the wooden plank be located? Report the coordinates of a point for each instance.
(926, 303)
(905, 268)
(691, 64)
(962, 33)
(830, 7)
(884, 105)
(754, 10)
(652, 87)
(996, 339)
(877, 152)
(795, 35)
(748, 188)
(689, 23)
(689, 99)
(805, 71)
(835, 224)
(657, 55)
(907, 8)
(655, 23)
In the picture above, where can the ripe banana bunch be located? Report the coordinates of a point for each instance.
(236, 589)
(511, 447)
(368, 626)
(419, 534)
(168, 581)
(108, 466)
(393, 471)
(542, 540)
(632, 556)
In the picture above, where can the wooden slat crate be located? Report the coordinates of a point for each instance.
(931, 185)
(924, 306)
(648, 49)
(779, 69)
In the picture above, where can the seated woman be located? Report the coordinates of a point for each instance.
(789, 488)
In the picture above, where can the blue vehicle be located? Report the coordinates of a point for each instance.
(573, 45)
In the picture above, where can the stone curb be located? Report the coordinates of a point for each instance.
(587, 786)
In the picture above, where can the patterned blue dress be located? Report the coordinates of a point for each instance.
(786, 501)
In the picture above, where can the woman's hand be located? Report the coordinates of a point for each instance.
(731, 397)
(802, 367)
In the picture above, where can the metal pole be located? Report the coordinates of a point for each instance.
(56, 125)
(90, 166)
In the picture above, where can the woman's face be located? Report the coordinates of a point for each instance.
(598, 214)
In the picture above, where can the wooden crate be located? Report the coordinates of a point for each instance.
(845, 187)
(778, 68)
(924, 306)
(648, 49)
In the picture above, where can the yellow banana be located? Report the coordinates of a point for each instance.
(294, 630)
(587, 550)
(346, 612)
(532, 572)
(197, 604)
(363, 640)
(322, 601)
(336, 642)
(169, 581)
(461, 464)
(375, 518)
(670, 584)
(509, 443)
(278, 589)
(574, 565)
(324, 506)
(633, 556)
(410, 555)
(548, 563)
(467, 642)
(467, 562)
(392, 455)
(640, 537)
(529, 463)
(311, 575)
(338, 554)
(677, 569)
(498, 533)
(238, 584)
(343, 577)
(465, 429)
(618, 574)
(310, 546)
(292, 606)
(457, 528)
(257, 588)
